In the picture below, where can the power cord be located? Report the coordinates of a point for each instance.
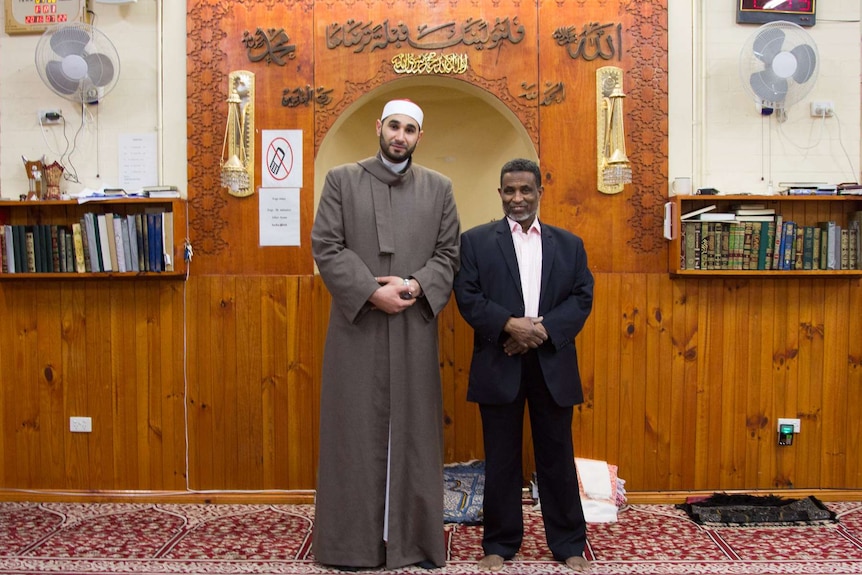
(821, 120)
(841, 142)
(70, 173)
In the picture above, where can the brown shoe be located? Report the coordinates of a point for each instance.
(578, 563)
(491, 563)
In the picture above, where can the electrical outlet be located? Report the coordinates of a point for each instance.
(80, 424)
(796, 423)
(50, 116)
(822, 108)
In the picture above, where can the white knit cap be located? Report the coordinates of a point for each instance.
(405, 107)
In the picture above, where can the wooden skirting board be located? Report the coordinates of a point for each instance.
(307, 496)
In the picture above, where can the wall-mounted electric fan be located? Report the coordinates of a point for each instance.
(78, 62)
(778, 66)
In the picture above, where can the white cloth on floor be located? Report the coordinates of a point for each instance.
(595, 478)
(599, 511)
(598, 490)
(601, 490)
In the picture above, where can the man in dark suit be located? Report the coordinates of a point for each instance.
(526, 290)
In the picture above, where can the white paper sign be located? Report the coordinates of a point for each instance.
(279, 216)
(137, 161)
(282, 159)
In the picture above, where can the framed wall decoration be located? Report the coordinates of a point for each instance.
(800, 12)
(35, 16)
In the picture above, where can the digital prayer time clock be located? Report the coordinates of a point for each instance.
(800, 12)
(35, 16)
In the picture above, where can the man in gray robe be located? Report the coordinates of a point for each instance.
(386, 242)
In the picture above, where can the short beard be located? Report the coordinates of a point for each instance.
(384, 149)
(520, 218)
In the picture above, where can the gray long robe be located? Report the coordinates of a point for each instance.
(382, 370)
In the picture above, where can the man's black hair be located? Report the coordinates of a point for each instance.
(522, 165)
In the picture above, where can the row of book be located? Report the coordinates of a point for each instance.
(737, 213)
(820, 189)
(771, 245)
(114, 193)
(99, 242)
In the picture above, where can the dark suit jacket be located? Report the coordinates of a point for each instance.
(488, 292)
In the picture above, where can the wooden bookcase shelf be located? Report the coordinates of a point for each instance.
(65, 213)
(804, 210)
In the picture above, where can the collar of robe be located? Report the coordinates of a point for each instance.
(383, 179)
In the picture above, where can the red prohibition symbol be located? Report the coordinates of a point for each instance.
(279, 159)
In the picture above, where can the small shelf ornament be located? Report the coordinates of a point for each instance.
(53, 174)
(35, 170)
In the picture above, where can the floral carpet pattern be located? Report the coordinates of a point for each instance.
(149, 539)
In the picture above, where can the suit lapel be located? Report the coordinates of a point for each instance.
(507, 248)
(549, 247)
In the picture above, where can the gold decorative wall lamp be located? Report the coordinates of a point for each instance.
(614, 168)
(237, 156)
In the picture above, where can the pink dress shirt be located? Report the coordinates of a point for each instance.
(528, 250)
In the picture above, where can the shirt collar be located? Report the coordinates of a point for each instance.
(393, 167)
(515, 226)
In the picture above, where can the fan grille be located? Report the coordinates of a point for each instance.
(78, 62)
(779, 64)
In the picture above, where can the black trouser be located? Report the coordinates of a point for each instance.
(551, 425)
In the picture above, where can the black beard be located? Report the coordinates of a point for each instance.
(384, 149)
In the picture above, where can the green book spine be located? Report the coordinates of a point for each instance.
(808, 247)
(763, 253)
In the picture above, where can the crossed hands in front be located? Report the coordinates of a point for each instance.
(525, 333)
(393, 296)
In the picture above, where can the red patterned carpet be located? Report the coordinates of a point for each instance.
(63, 538)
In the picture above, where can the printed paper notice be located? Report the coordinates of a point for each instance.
(137, 160)
(279, 216)
(282, 158)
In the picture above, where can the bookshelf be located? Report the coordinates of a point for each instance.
(51, 225)
(803, 210)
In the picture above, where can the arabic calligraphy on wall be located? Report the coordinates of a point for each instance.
(295, 97)
(475, 32)
(553, 93)
(431, 63)
(271, 46)
(595, 41)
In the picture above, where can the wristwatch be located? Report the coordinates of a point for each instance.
(406, 294)
(421, 291)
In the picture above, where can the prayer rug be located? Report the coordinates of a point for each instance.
(723, 509)
(226, 539)
(463, 491)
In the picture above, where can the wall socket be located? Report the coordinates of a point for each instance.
(796, 423)
(822, 108)
(80, 424)
(50, 116)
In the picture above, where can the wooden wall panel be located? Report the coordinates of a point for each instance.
(852, 434)
(103, 350)
(622, 232)
(252, 383)
(357, 43)
(74, 368)
(223, 228)
(684, 381)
